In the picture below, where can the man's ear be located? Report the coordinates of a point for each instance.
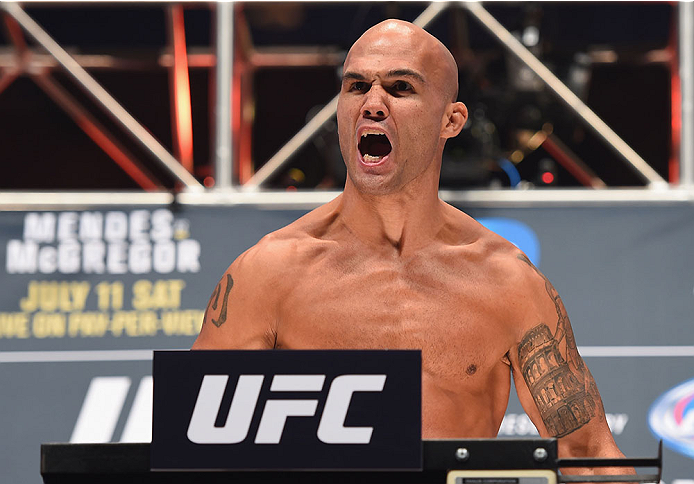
(453, 120)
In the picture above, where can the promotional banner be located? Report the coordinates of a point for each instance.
(107, 276)
(87, 295)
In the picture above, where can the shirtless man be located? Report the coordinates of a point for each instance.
(387, 264)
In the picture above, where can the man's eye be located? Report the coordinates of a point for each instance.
(401, 86)
(359, 86)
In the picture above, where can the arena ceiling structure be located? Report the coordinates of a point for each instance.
(234, 102)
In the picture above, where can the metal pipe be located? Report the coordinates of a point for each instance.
(197, 58)
(98, 133)
(224, 142)
(293, 145)
(430, 13)
(181, 116)
(102, 97)
(572, 163)
(592, 120)
(17, 37)
(282, 200)
(323, 116)
(686, 61)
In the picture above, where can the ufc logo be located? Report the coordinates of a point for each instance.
(331, 429)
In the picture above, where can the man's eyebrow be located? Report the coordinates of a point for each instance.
(392, 73)
(406, 73)
(353, 75)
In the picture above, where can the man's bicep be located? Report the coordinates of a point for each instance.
(554, 384)
(237, 315)
(551, 374)
(560, 396)
(217, 311)
(217, 314)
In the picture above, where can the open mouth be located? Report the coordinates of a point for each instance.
(374, 146)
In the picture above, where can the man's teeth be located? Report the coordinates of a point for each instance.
(368, 132)
(371, 159)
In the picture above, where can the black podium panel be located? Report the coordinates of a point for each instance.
(130, 463)
(266, 409)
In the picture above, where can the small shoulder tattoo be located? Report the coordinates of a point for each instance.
(228, 281)
(525, 259)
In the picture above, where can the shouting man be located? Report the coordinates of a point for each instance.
(387, 264)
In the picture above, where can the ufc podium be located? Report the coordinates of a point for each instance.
(305, 417)
(130, 463)
(492, 461)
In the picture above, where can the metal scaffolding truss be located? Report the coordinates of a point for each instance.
(18, 23)
(101, 96)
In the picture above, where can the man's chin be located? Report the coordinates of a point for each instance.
(373, 185)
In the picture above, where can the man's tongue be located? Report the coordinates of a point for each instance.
(373, 147)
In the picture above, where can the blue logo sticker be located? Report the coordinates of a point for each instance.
(671, 418)
(518, 233)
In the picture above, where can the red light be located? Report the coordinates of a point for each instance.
(208, 181)
(547, 178)
(181, 90)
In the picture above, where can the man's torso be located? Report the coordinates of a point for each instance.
(447, 300)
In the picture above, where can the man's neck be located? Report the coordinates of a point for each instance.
(402, 222)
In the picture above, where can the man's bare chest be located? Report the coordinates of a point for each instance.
(380, 305)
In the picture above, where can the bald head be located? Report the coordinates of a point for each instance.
(437, 60)
(397, 108)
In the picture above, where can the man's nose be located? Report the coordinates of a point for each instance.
(375, 105)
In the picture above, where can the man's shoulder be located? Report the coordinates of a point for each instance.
(503, 261)
(509, 277)
(510, 264)
(289, 245)
(471, 235)
(513, 275)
